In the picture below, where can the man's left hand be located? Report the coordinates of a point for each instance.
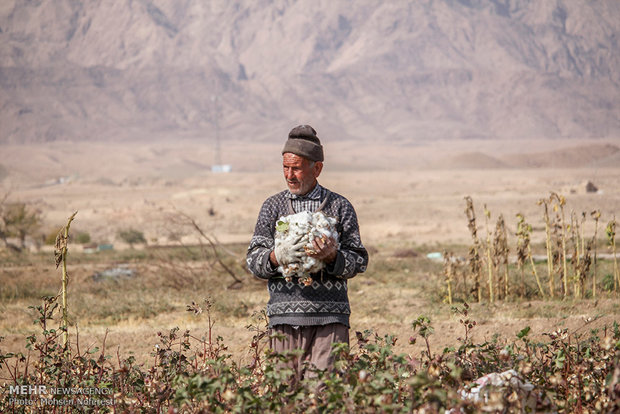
(325, 249)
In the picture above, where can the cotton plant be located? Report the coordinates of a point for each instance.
(293, 243)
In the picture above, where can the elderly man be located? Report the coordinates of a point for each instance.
(314, 316)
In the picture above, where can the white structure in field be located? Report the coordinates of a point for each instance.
(221, 168)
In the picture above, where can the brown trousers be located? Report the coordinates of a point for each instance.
(315, 342)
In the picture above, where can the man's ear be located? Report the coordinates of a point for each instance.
(318, 167)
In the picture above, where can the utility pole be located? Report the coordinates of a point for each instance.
(216, 121)
(217, 166)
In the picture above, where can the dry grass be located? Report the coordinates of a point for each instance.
(386, 299)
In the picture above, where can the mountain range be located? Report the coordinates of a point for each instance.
(399, 71)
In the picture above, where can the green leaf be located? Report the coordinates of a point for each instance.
(524, 332)
(281, 226)
(560, 359)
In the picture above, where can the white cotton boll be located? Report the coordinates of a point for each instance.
(303, 227)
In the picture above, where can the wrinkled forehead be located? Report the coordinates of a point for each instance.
(290, 159)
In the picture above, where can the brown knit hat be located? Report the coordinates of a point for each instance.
(302, 141)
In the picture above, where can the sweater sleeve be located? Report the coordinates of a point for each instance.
(352, 257)
(262, 242)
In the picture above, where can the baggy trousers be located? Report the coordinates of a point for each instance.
(314, 341)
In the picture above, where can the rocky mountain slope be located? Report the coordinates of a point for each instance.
(400, 71)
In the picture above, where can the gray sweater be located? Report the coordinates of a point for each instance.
(325, 300)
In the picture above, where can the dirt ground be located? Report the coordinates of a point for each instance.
(403, 193)
(407, 195)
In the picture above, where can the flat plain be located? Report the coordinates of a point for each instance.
(409, 197)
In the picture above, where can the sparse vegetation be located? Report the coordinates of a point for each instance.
(208, 256)
(475, 262)
(17, 220)
(82, 237)
(611, 237)
(566, 373)
(560, 237)
(60, 256)
(567, 369)
(132, 236)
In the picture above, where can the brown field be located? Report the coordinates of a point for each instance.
(409, 199)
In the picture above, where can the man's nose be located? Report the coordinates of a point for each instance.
(288, 173)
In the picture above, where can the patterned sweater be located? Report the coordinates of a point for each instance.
(325, 300)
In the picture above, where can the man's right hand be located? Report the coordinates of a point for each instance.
(284, 254)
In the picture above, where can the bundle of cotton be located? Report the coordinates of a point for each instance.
(293, 242)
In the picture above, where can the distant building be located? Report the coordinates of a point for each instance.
(90, 248)
(94, 247)
(224, 168)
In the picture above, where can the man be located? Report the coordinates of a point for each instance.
(313, 317)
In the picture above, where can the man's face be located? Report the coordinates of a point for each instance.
(300, 173)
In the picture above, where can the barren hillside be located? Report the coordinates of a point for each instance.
(403, 71)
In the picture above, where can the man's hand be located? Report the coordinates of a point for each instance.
(325, 249)
(284, 253)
